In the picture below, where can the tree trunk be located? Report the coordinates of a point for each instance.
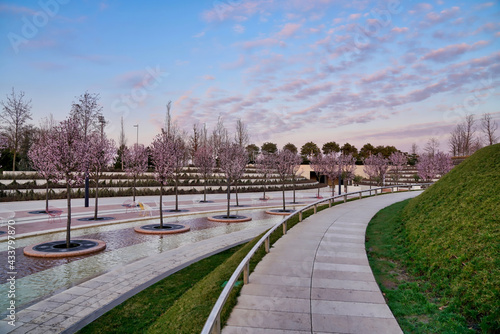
(264, 196)
(47, 197)
(133, 188)
(14, 161)
(319, 179)
(96, 197)
(283, 188)
(205, 190)
(228, 198)
(68, 222)
(293, 180)
(236, 192)
(161, 205)
(176, 194)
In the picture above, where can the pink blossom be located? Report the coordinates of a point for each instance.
(68, 153)
(205, 162)
(398, 161)
(284, 164)
(135, 162)
(232, 160)
(101, 153)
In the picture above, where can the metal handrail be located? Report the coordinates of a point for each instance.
(213, 323)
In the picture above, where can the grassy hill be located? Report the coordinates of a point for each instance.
(453, 235)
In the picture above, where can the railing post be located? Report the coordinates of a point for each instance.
(300, 216)
(284, 228)
(345, 198)
(315, 208)
(266, 245)
(216, 326)
(329, 203)
(360, 196)
(392, 189)
(246, 273)
(375, 192)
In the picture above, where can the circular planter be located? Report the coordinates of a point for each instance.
(167, 229)
(176, 211)
(280, 212)
(57, 249)
(230, 219)
(98, 219)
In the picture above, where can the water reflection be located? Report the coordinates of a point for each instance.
(39, 277)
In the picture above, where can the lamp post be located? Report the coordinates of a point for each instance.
(137, 126)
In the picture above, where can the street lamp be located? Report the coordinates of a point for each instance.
(137, 126)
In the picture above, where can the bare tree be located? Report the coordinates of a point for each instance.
(219, 136)
(414, 149)
(470, 131)
(241, 136)
(432, 147)
(16, 112)
(87, 112)
(463, 140)
(195, 140)
(489, 126)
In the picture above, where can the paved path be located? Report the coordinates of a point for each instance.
(317, 278)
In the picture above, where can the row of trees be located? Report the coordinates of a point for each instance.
(311, 149)
(465, 138)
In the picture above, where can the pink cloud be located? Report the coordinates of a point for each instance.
(399, 30)
(484, 5)
(442, 16)
(354, 16)
(208, 77)
(259, 43)
(452, 51)
(289, 29)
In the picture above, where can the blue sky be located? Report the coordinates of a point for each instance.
(385, 72)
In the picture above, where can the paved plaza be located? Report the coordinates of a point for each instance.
(316, 278)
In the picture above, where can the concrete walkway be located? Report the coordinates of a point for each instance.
(317, 278)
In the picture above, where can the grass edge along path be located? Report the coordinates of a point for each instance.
(182, 302)
(417, 308)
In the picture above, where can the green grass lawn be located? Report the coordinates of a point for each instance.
(437, 256)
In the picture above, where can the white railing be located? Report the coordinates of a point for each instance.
(213, 323)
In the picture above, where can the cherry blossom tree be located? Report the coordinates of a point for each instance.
(101, 152)
(331, 167)
(347, 165)
(318, 166)
(296, 171)
(42, 161)
(426, 167)
(205, 162)
(265, 165)
(376, 167)
(283, 166)
(232, 161)
(370, 168)
(398, 160)
(67, 150)
(160, 153)
(443, 163)
(382, 165)
(135, 162)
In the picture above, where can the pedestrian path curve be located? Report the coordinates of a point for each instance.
(317, 278)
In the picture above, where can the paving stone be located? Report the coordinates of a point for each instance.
(271, 320)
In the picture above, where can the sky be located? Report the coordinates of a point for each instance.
(382, 72)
